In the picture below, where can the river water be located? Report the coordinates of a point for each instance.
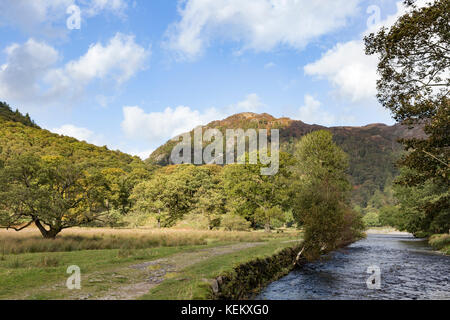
(409, 269)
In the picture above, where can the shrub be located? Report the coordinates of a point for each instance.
(193, 221)
(372, 219)
(233, 222)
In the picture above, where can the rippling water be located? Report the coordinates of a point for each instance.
(409, 270)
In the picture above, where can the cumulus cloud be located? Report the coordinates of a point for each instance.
(348, 68)
(26, 65)
(95, 7)
(251, 103)
(48, 17)
(312, 112)
(158, 127)
(78, 133)
(30, 74)
(259, 25)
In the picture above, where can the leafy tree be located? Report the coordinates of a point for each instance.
(391, 216)
(414, 67)
(269, 217)
(171, 193)
(210, 203)
(50, 192)
(418, 207)
(255, 196)
(372, 219)
(321, 191)
(234, 222)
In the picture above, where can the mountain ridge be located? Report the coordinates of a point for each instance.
(373, 149)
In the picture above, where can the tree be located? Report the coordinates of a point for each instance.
(372, 219)
(415, 85)
(210, 203)
(414, 67)
(256, 197)
(267, 217)
(418, 207)
(171, 193)
(50, 192)
(320, 191)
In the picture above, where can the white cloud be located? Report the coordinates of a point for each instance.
(48, 17)
(95, 7)
(348, 68)
(30, 74)
(78, 133)
(251, 103)
(269, 65)
(259, 25)
(26, 65)
(311, 112)
(158, 127)
(141, 154)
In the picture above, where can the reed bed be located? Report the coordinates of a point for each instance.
(30, 240)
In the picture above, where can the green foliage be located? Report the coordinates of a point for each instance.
(372, 219)
(234, 222)
(6, 114)
(440, 242)
(50, 192)
(373, 150)
(425, 208)
(321, 191)
(249, 193)
(391, 216)
(174, 191)
(414, 67)
(52, 161)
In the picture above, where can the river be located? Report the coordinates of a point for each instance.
(409, 270)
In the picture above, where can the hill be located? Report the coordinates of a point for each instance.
(19, 134)
(373, 149)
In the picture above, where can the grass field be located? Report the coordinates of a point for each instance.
(126, 263)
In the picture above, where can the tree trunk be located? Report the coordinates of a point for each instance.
(267, 227)
(47, 234)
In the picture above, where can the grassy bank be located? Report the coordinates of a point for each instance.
(195, 282)
(35, 268)
(440, 242)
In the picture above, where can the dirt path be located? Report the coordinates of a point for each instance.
(132, 282)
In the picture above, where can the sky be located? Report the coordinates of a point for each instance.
(133, 74)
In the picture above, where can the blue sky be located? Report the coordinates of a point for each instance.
(138, 72)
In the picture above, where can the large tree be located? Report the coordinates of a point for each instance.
(321, 193)
(258, 198)
(50, 192)
(415, 85)
(171, 193)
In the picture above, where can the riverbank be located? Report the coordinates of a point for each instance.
(126, 264)
(440, 242)
(212, 278)
(386, 230)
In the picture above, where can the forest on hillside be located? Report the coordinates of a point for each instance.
(56, 182)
